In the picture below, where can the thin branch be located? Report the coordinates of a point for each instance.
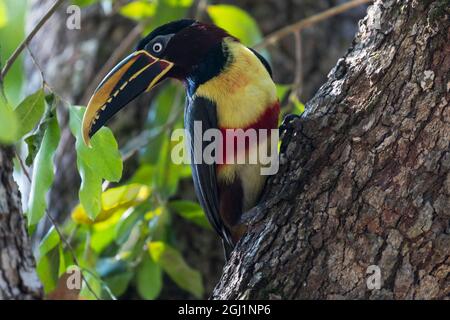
(22, 165)
(27, 40)
(2, 89)
(45, 84)
(71, 250)
(297, 86)
(38, 67)
(103, 284)
(307, 22)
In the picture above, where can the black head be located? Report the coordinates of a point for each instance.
(185, 49)
(187, 43)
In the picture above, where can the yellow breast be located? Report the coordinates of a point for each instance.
(243, 91)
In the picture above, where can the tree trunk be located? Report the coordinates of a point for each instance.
(365, 174)
(18, 278)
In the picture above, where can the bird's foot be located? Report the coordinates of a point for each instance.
(287, 123)
(286, 128)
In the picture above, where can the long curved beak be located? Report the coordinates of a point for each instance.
(138, 72)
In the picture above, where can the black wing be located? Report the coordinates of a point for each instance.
(263, 61)
(204, 175)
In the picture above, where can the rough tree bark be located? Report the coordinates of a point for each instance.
(365, 176)
(18, 278)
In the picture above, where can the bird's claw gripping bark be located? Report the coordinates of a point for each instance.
(286, 128)
(287, 123)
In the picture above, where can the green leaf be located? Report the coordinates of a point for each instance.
(118, 284)
(33, 143)
(84, 3)
(143, 175)
(90, 190)
(298, 107)
(116, 274)
(43, 172)
(158, 222)
(162, 175)
(190, 211)
(148, 278)
(185, 171)
(113, 200)
(139, 10)
(102, 236)
(3, 14)
(104, 157)
(128, 221)
(11, 35)
(102, 161)
(62, 262)
(48, 269)
(166, 177)
(29, 111)
(237, 22)
(108, 267)
(171, 261)
(282, 90)
(179, 3)
(158, 116)
(50, 241)
(34, 140)
(8, 123)
(94, 284)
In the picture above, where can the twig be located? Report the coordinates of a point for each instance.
(38, 67)
(2, 89)
(298, 81)
(45, 84)
(104, 285)
(71, 250)
(27, 40)
(22, 165)
(2, 92)
(307, 22)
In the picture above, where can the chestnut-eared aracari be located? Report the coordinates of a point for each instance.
(228, 86)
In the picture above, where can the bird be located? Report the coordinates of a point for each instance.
(228, 85)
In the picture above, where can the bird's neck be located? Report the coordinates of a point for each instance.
(242, 90)
(211, 66)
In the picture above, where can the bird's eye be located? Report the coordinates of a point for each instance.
(157, 47)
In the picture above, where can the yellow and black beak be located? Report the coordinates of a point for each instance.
(135, 74)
